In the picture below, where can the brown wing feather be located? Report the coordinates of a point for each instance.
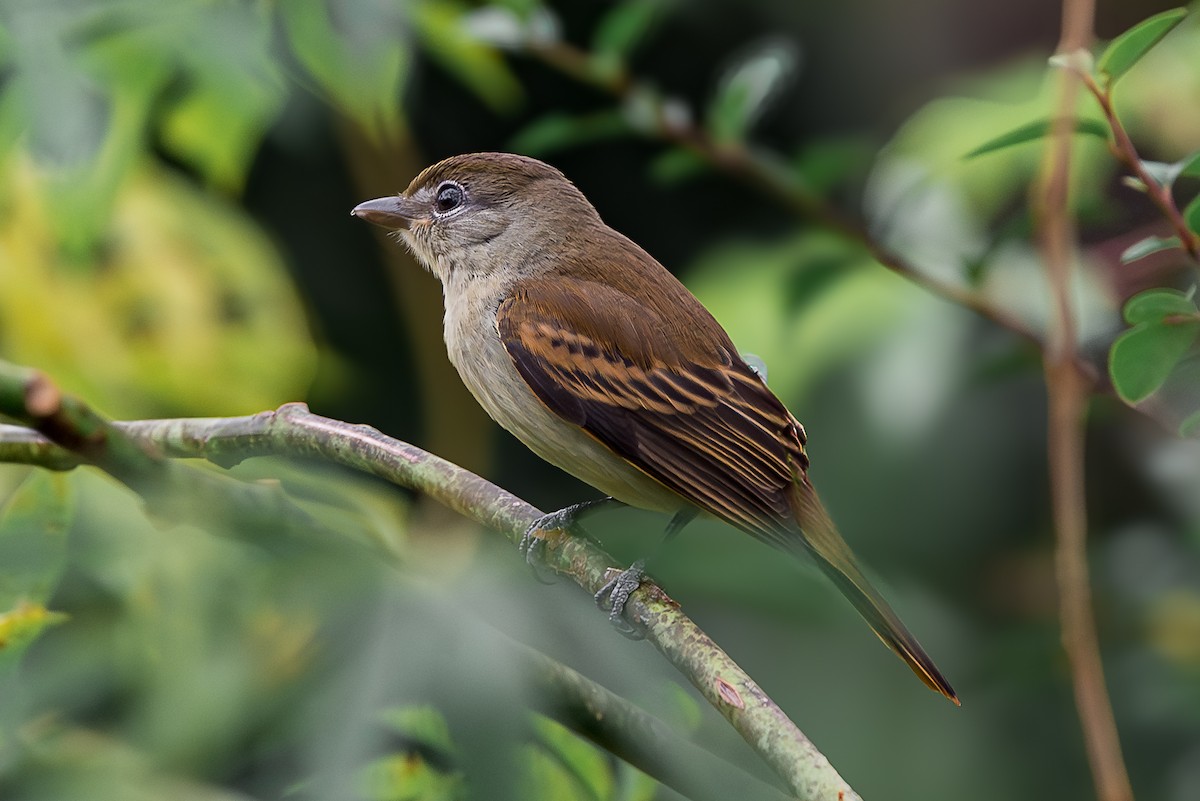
(689, 414)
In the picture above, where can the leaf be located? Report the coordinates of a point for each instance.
(1128, 48)
(33, 538)
(1151, 244)
(422, 724)
(625, 26)
(558, 131)
(217, 129)
(234, 91)
(21, 625)
(1153, 305)
(1190, 427)
(408, 777)
(746, 90)
(585, 763)
(1033, 131)
(359, 63)
(1143, 357)
(825, 164)
(1191, 215)
(1163, 174)
(1166, 174)
(676, 166)
(443, 26)
(1190, 165)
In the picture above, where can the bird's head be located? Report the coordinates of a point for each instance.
(478, 213)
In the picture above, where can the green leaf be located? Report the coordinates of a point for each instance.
(1153, 305)
(625, 26)
(359, 63)
(558, 131)
(446, 35)
(33, 538)
(1033, 131)
(1191, 215)
(234, 90)
(1151, 244)
(1128, 48)
(826, 164)
(584, 762)
(1190, 165)
(422, 724)
(1143, 357)
(677, 165)
(1190, 427)
(747, 89)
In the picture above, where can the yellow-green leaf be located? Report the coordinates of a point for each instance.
(21, 625)
(1033, 131)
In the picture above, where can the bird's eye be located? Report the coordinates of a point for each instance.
(449, 197)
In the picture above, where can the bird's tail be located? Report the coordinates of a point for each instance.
(822, 542)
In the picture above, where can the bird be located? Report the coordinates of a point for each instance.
(588, 350)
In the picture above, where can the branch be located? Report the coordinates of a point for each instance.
(1067, 394)
(72, 433)
(294, 431)
(1122, 147)
(765, 172)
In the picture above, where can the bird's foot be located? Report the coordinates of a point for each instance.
(616, 592)
(533, 544)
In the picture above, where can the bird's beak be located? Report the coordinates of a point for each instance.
(394, 213)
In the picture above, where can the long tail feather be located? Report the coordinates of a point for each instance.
(821, 541)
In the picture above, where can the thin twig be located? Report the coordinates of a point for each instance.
(1067, 395)
(294, 431)
(1123, 149)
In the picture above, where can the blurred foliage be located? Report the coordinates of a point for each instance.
(173, 241)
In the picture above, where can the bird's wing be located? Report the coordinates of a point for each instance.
(688, 412)
(682, 408)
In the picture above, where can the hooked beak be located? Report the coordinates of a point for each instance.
(394, 213)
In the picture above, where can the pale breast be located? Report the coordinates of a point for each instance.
(474, 346)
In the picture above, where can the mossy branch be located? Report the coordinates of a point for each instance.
(63, 433)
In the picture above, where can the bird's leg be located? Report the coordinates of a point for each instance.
(623, 585)
(565, 519)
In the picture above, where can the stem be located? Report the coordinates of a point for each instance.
(1067, 395)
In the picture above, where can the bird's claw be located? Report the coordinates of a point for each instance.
(616, 592)
(533, 545)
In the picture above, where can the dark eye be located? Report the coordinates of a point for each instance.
(449, 197)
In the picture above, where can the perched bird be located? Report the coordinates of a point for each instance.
(590, 352)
